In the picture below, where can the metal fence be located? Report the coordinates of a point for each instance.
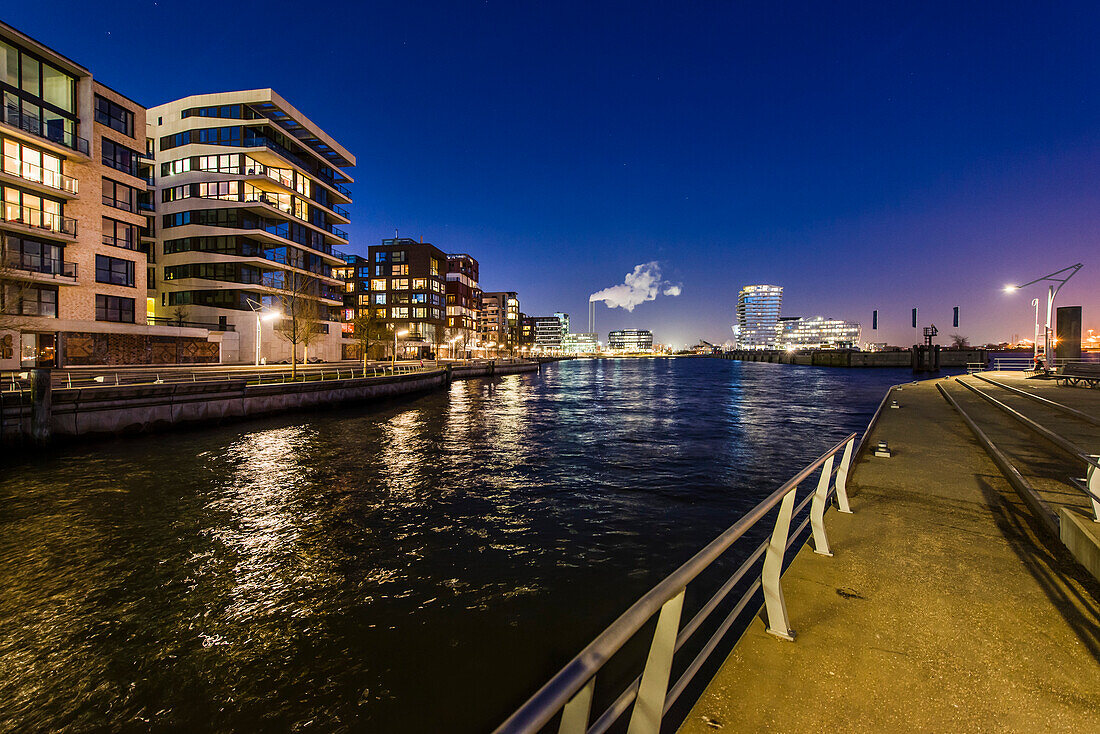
(1027, 364)
(649, 697)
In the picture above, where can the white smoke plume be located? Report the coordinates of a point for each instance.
(641, 285)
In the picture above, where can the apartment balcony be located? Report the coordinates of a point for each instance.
(39, 270)
(38, 178)
(43, 131)
(169, 321)
(36, 221)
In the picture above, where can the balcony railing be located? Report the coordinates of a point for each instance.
(35, 125)
(123, 242)
(37, 218)
(337, 231)
(38, 174)
(40, 265)
(169, 321)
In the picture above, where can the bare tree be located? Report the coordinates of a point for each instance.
(370, 331)
(178, 319)
(958, 341)
(301, 314)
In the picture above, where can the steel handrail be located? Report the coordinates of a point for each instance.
(561, 690)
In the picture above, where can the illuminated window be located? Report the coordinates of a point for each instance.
(378, 285)
(420, 284)
(399, 284)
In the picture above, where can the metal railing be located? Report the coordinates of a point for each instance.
(169, 321)
(38, 174)
(1027, 364)
(1090, 485)
(25, 215)
(44, 266)
(570, 692)
(34, 124)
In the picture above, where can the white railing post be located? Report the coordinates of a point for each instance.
(775, 606)
(649, 707)
(817, 509)
(574, 715)
(1092, 481)
(842, 478)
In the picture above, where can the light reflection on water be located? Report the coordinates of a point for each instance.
(420, 565)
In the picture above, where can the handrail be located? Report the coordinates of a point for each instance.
(570, 691)
(38, 174)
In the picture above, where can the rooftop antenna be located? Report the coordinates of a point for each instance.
(395, 235)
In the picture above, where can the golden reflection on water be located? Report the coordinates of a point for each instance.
(264, 524)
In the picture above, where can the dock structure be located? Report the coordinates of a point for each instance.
(950, 603)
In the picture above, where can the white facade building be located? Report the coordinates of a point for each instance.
(758, 309)
(817, 332)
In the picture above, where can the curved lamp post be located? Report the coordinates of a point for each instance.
(263, 313)
(1057, 279)
(393, 363)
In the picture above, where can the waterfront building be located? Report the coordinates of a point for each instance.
(580, 344)
(73, 261)
(548, 331)
(630, 340)
(463, 299)
(499, 325)
(526, 331)
(758, 309)
(817, 332)
(249, 196)
(408, 290)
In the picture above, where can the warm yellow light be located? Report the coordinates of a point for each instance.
(1009, 288)
(271, 315)
(402, 333)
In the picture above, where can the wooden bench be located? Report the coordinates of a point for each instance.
(1076, 373)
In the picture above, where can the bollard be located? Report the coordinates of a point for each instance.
(41, 405)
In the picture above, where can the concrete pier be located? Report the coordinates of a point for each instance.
(947, 606)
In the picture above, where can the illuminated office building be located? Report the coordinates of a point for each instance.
(758, 309)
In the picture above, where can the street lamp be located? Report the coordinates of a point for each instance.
(394, 361)
(452, 341)
(263, 313)
(1057, 280)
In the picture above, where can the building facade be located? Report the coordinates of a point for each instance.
(408, 287)
(73, 262)
(817, 332)
(758, 308)
(580, 344)
(463, 302)
(250, 196)
(630, 340)
(499, 327)
(547, 332)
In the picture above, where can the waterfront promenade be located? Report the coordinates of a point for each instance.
(947, 605)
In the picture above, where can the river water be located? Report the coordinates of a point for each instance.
(417, 566)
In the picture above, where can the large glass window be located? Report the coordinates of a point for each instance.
(119, 234)
(114, 116)
(30, 300)
(114, 270)
(9, 64)
(118, 195)
(32, 74)
(114, 308)
(120, 157)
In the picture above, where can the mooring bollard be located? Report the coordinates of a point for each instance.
(41, 405)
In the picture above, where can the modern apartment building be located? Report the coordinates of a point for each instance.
(580, 344)
(408, 287)
(817, 332)
(630, 340)
(463, 296)
(758, 309)
(499, 327)
(73, 270)
(548, 331)
(250, 196)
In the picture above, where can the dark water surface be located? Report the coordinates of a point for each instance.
(420, 566)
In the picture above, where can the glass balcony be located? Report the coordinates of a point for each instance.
(36, 126)
(38, 174)
(39, 219)
(46, 266)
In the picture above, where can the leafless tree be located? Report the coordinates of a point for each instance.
(370, 331)
(958, 341)
(300, 314)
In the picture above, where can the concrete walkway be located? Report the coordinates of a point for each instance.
(945, 607)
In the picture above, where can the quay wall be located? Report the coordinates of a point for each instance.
(848, 358)
(128, 409)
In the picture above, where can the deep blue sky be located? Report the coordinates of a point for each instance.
(863, 156)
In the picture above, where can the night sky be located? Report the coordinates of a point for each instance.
(859, 155)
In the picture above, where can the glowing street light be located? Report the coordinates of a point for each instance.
(1056, 283)
(263, 313)
(393, 363)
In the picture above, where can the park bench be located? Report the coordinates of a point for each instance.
(1076, 373)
